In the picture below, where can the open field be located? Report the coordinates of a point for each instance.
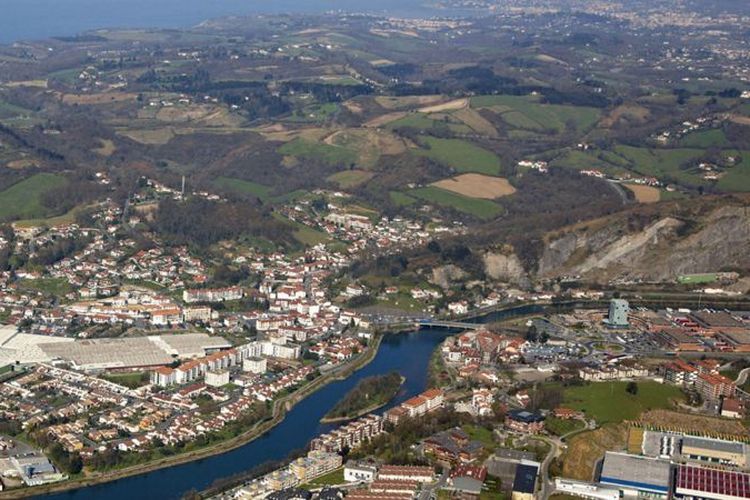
(737, 178)
(482, 209)
(407, 102)
(369, 144)
(625, 112)
(461, 155)
(106, 148)
(662, 162)
(102, 98)
(422, 121)
(609, 402)
(477, 186)
(382, 120)
(24, 199)
(585, 449)
(303, 234)
(242, 186)
(446, 106)
(402, 200)
(350, 178)
(158, 136)
(693, 423)
(705, 139)
(526, 112)
(476, 121)
(332, 155)
(644, 194)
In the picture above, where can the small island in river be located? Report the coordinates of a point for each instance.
(368, 395)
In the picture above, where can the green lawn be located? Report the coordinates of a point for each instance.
(696, 279)
(460, 155)
(332, 478)
(560, 427)
(332, 155)
(23, 200)
(609, 402)
(245, 187)
(481, 434)
(482, 209)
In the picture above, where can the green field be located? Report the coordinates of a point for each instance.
(705, 139)
(737, 178)
(402, 200)
(461, 155)
(584, 160)
(482, 209)
(525, 112)
(332, 155)
(304, 234)
(662, 163)
(561, 427)
(245, 187)
(609, 402)
(24, 199)
(350, 178)
(331, 479)
(315, 113)
(58, 287)
(695, 279)
(422, 121)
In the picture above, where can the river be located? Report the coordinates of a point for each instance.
(407, 353)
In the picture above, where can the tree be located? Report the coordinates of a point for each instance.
(632, 388)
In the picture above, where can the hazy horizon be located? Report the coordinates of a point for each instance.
(38, 19)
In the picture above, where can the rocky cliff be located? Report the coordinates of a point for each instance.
(672, 241)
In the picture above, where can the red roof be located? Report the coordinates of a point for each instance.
(729, 483)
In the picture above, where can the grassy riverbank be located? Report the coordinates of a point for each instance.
(280, 407)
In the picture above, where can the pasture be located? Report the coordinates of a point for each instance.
(481, 209)
(23, 200)
(460, 155)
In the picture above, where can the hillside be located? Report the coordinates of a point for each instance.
(654, 243)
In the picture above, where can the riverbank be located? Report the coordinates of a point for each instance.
(280, 408)
(363, 411)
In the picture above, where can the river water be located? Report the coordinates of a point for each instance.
(407, 353)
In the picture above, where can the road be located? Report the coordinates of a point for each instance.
(556, 446)
(742, 377)
(428, 490)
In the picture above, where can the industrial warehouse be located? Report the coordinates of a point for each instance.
(106, 354)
